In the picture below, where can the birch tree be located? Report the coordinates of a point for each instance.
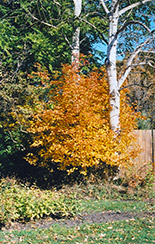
(76, 35)
(115, 82)
(114, 14)
(120, 16)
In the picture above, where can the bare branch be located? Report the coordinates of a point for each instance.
(146, 62)
(139, 64)
(43, 22)
(133, 22)
(150, 63)
(115, 5)
(104, 6)
(83, 40)
(148, 51)
(66, 39)
(40, 21)
(57, 3)
(127, 16)
(124, 10)
(11, 136)
(130, 60)
(135, 84)
(93, 13)
(99, 32)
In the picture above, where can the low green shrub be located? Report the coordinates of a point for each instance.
(18, 202)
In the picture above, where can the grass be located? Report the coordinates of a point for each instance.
(113, 205)
(130, 231)
(89, 199)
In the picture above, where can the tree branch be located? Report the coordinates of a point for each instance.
(124, 10)
(99, 32)
(104, 6)
(130, 60)
(146, 62)
(150, 64)
(57, 3)
(132, 22)
(147, 51)
(43, 22)
(83, 40)
(66, 39)
(115, 6)
(134, 84)
(11, 136)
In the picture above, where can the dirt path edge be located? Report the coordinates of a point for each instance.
(93, 218)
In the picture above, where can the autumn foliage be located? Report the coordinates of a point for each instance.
(71, 129)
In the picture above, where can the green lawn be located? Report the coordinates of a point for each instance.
(105, 205)
(130, 231)
(87, 200)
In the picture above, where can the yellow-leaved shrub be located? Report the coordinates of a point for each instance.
(71, 128)
(19, 202)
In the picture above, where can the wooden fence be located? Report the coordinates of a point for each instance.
(146, 140)
(144, 162)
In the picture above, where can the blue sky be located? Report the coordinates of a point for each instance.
(103, 47)
(100, 47)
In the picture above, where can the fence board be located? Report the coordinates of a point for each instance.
(144, 139)
(143, 163)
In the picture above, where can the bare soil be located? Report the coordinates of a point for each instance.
(101, 217)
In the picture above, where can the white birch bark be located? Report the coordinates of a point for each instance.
(111, 67)
(114, 84)
(76, 36)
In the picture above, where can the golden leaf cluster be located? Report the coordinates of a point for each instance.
(71, 128)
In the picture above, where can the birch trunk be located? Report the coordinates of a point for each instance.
(76, 36)
(76, 48)
(115, 84)
(111, 68)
